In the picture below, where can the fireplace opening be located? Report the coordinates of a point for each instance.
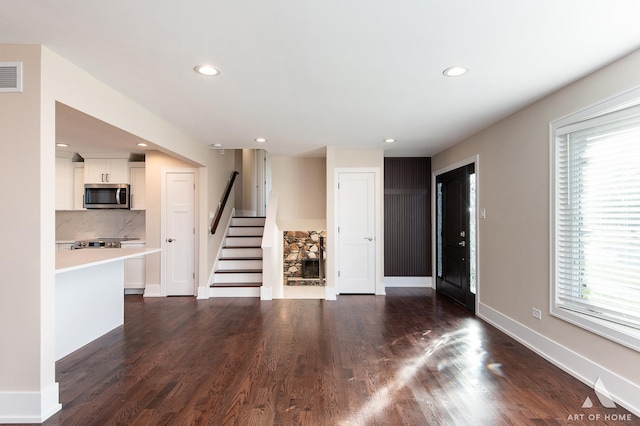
(310, 268)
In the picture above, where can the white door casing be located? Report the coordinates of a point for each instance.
(179, 233)
(356, 207)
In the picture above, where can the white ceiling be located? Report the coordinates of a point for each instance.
(306, 74)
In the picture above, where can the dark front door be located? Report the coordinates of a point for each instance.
(454, 237)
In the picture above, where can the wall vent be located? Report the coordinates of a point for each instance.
(10, 76)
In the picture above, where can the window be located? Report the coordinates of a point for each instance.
(596, 219)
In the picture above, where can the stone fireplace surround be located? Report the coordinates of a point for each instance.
(299, 246)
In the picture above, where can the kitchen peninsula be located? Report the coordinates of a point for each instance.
(89, 294)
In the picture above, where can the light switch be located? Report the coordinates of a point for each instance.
(483, 213)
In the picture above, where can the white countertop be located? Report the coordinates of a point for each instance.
(71, 260)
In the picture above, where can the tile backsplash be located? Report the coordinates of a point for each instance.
(88, 224)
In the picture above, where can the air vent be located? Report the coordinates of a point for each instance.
(10, 76)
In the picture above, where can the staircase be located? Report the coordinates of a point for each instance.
(240, 263)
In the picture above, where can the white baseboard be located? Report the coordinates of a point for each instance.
(234, 291)
(426, 282)
(133, 291)
(152, 290)
(29, 407)
(330, 293)
(203, 293)
(622, 391)
(265, 293)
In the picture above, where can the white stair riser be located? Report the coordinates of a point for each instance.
(234, 265)
(243, 241)
(248, 230)
(245, 277)
(241, 252)
(247, 221)
(234, 292)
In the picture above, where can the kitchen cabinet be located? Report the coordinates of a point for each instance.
(78, 186)
(64, 181)
(106, 170)
(138, 182)
(63, 246)
(134, 268)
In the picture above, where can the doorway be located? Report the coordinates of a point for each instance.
(178, 232)
(456, 234)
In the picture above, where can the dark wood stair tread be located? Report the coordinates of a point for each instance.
(241, 247)
(240, 258)
(238, 271)
(236, 285)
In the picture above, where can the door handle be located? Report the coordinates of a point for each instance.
(462, 244)
(368, 238)
(170, 240)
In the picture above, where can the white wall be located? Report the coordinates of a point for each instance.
(249, 183)
(155, 161)
(27, 360)
(28, 391)
(514, 266)
(220, 169)
(301, 184)
(337, 159)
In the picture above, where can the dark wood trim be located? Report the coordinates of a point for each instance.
(225, 198)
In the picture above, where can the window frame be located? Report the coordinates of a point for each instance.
(622, 334)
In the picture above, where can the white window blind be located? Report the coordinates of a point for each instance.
(597, 217)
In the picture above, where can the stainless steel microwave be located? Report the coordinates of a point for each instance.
(106, 196)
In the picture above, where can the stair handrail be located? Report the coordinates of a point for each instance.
(225, 198)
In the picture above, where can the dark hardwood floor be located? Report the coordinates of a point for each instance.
(410, 358)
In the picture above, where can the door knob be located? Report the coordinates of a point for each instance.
(368, 238)
(462, 244)
(170, 240)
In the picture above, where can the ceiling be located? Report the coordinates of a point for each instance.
(306, 74)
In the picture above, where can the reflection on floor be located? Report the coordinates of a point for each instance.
(303, 292)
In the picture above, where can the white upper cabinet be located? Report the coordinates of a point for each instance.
(64, 182)
(78, 186)
(138, 183)
(106, 170)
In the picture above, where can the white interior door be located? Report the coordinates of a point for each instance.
(179, 233)
(356, 232)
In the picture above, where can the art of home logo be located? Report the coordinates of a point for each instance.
(604, 398)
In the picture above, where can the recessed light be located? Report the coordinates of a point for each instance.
(142, 144)
(217, 145)
(454, 71)
(389, 140)
(62, 145)
(261, 140)
(208, 70)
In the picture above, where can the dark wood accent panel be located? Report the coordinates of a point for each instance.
(407, 217)
(412, 357)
